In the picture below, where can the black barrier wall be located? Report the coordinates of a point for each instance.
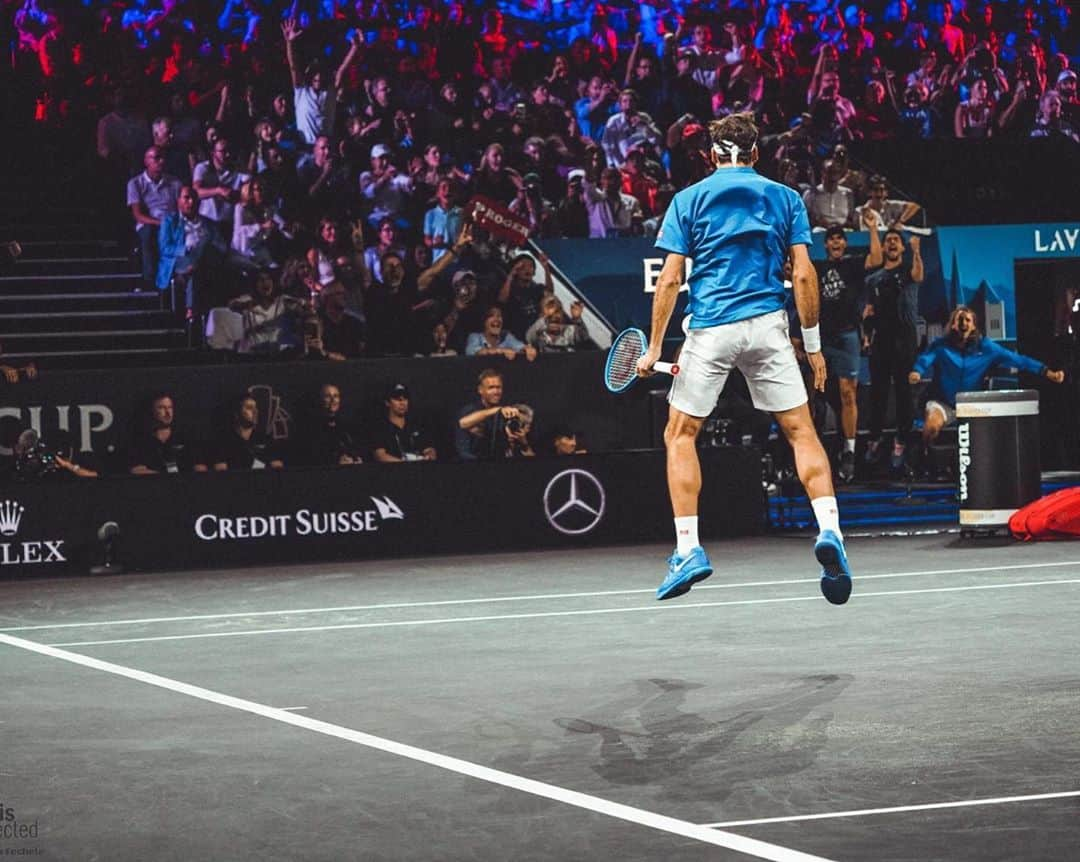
(98, 410)
(368, 511)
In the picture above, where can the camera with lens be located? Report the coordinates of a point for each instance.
(514, 424)
(34, 458)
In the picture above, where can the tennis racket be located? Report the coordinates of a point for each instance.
(620, 370)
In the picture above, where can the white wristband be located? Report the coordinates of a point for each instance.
(811, 339)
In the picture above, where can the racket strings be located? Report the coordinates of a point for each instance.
(623, 362)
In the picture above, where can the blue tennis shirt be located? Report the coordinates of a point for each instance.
(738, 227)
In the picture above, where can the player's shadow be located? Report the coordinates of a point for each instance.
(648, 739)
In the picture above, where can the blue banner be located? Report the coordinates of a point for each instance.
(618, 276)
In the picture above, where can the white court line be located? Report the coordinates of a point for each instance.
(899, 809)
(749, 846)
(527, 598)
(544, 614)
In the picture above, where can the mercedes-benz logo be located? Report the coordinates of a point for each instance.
(574, 502)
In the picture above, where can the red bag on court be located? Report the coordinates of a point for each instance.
(1055, 516)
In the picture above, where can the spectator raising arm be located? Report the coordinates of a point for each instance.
(291, 31)
(354, 49)
(428, 276)
(874, 257)
(917, 271)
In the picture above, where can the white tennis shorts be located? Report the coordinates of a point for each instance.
(759, 347)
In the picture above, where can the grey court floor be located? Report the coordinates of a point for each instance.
(543, 706)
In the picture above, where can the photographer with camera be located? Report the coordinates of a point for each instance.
(158, 447)
(482, 428)
(517, 430)
(36, 459)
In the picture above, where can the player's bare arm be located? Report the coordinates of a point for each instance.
(804, 282)
(667, 291)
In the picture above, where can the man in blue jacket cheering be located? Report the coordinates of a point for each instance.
(960, 360)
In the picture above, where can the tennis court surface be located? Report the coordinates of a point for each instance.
(543, 706)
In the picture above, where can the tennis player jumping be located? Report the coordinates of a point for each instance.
(739, 229)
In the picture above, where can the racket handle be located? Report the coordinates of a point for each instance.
(666, 368)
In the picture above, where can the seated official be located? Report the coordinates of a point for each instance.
(396, 437)
(158, 447)
(327, 439)
(243, 446)
(959, 361)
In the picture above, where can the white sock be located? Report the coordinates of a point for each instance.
(849, 444)
(827, 514)
(686, 534)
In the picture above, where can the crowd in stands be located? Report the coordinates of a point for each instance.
(338, 133)
(300, 172)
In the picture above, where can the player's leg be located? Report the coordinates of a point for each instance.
(688, 564)
(849, 423)
(776, 385)
(905, 407)
(683, 466)
(703, 370)
(879, 395)
(812, 465)
(811, 462)
(843, 362)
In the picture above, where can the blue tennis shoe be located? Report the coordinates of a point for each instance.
(835, 574)
(684, 572)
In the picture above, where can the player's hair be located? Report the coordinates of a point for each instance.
(897, 232)
(487, 373)
(734, 137)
